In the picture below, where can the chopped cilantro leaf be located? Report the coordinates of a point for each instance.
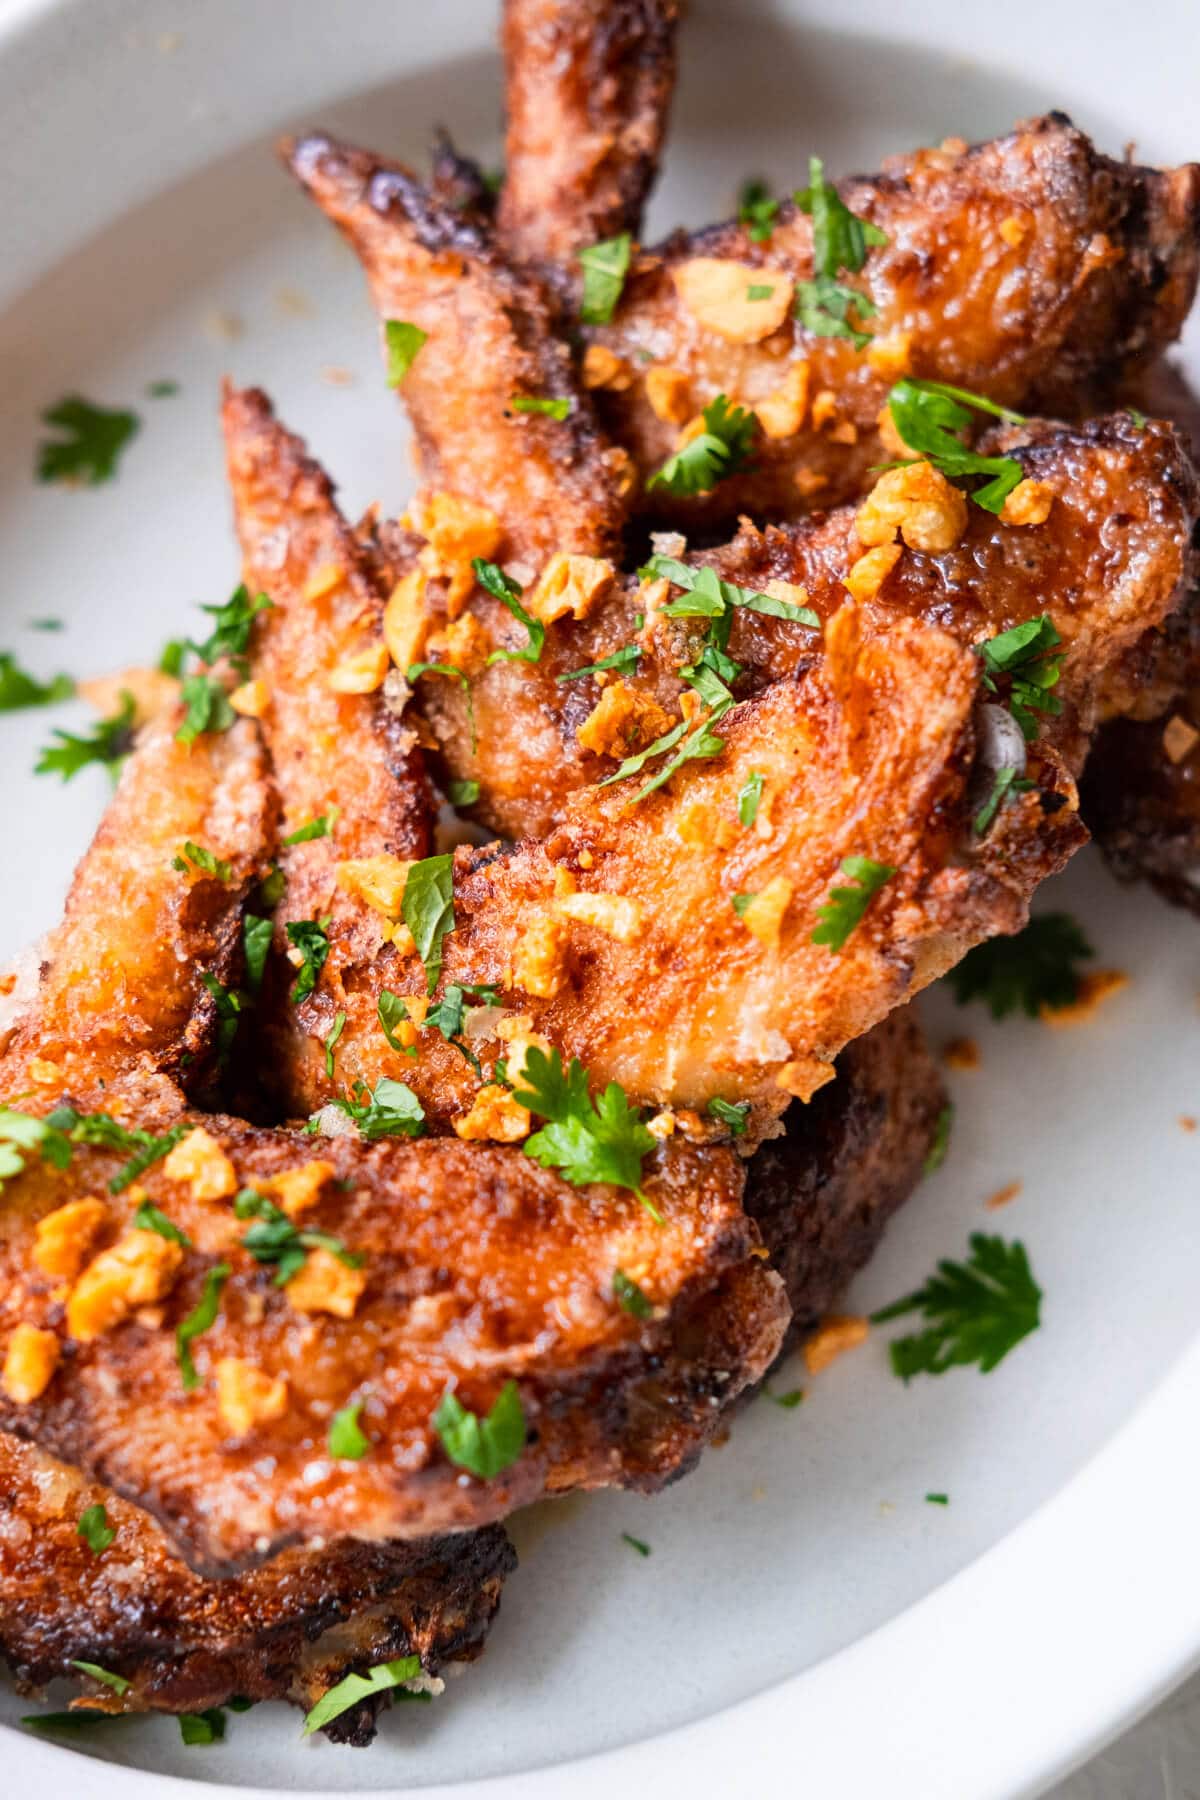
(230, 1005)
(757, 210)
(749, 796)
(117, 1683)
(938, 1499)
(108, 743)
(462, 793)
(309, 937)
(723, 448)
(346, 1438)
(316, 828)
(389, 1109)
(741, 903)
(233, 622)
(1025, 973)
(94, 1528)
(929, 414)
(257, 934)
(627, 657)
(760, 290)
(977, 1311)
(789, 1401)
(840, 241)
(202, 1316)
(605, 266)
(1139, 418)
(392, 1012)
(633, 765)
(73, 1720)
(733, 1113)
(152, 1149)
(172, 657)
(706, 596)
(843, 912)
(149, 1217)
(629, 1296)
(1024, 655)
(162, 390)
(275, 1238)
(208, 707)
(702, 743)
(204, 860)
(202, 1728)
(353, 1688)
(415, 670)
(17, 689)
(92, 440)
(336, 1030)
(272, 887)
(1006, 784)
(553, 409)
(605, 1140)
(635, 1544)
(427, 908)
(46, 625)
(403, 342)
(939, 1143)
(502, 587)
(486, 1446)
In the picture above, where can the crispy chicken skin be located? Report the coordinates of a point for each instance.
(823, 1193)
(120, 980)
(587, 89)
(287, 1631)
(1109, 564)
(1023, 269)
(479, 1267)
(493, 334)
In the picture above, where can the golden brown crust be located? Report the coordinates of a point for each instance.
(287, 1631)
(1024, 268)
(480, 1267)
(121, 976)
(492, 335)
(588, 88)
(1108, 591)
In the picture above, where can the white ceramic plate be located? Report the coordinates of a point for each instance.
(805, 1620)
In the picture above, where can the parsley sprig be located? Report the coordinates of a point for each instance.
(1034, 969)
(94, 1528)
(275, 1238)
(389, 1109)
(1024, 657)
(929, 415)
(352, 1689)
(757, 210)
(91, 443)
(840, 242)
(845, 908)
(706, 596)
(502, 587)
(427, 908)
(108, 743)
(605, 266)
(484, 1446)
(586, 1140)
(19, 689)
(402, 341)
(722, 449)
(977, 1311)
(310, 938)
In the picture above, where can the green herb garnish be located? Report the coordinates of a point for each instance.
(1024, 655)
(389, 1109)
(977, 1311)
(705, 596)
(722, 449)
(149, 1217)
(938, 1499)
(789, 1401)
(346, 1439)
(162, 390)
(553, 409)
(201, 1318)
(840, 241)
(928, 414)
(92, 440)
(319, 827)
(415, 670)
(202, 1728)
(195, 856)
(483, 1446)
(605, 1140)
(733, 1113)
(335, 1032)
(427, 908)
(939, 1143)
(230, 1005)
(1026, 973)
(117, 1683)
(635, 1544)
(843, 912)
(627, 657)
(749, 796)
(757, 210)
(309, 937)
(502, 587)
(275, 1238)
(462, 793)
(108, 743)
(605, 266)
(1006, 785)
(392, 1012)
(94, 1528)
(17, 689)
(257, 934)
(207, 707)
(402, 341)
(353, 1688)
(629, 1296)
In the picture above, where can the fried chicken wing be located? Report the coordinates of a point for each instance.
(288, 1631)
(1023, 269)
(587, 91)
(536, 484)
(1109, 564)
(121, 979)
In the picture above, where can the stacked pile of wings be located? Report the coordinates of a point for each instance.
(182, 1326)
